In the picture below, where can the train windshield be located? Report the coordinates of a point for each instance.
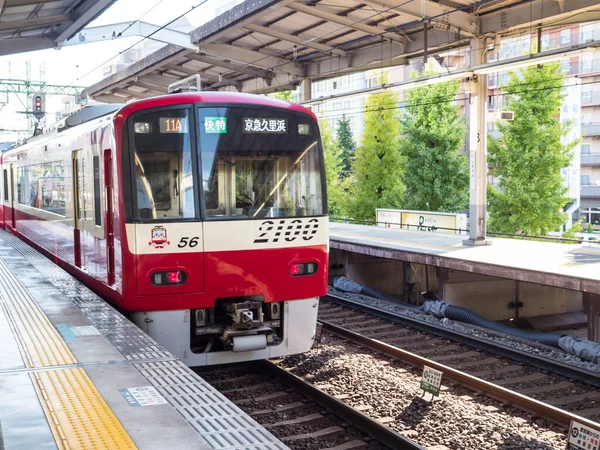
(164, 186)
(259, 162)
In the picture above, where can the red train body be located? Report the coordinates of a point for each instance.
(202, 215)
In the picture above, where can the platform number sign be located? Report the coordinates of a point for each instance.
(582, 437)
(431, 381)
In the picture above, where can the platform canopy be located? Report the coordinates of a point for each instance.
(27, 25)
(263, 46)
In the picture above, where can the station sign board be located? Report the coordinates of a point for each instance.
(453, 223)
(582, 437)
(431, 381)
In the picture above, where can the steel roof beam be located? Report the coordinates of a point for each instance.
(157, 80)
(294, 39)
(149, 87)
(25, 44)
(130, 93)
(35, 22)
(445, 16)
(252, 57)
(84, 13)
(331, 16)
(231, 66)
(240, 15)
(535, 12)
(12, 3)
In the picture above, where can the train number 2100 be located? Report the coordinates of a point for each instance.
(290, 230)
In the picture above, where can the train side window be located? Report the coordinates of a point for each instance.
(164, 185)
(97, 193)
(5, 185)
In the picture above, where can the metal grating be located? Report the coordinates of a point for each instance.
(131, 342)
(220, 423)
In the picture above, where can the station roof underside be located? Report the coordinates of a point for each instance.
(27, 25)
(263, 46)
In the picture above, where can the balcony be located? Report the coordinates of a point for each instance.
(590, 129)
(590, 191)
(590, 98)
(587, 67)
(590, 159)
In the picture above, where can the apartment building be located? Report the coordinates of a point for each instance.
(581, 106)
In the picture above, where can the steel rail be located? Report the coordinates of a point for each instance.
(382, 433)
(499, 393)
(541, 362)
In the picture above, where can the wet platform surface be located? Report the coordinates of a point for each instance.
(569, 266)
(74, 373)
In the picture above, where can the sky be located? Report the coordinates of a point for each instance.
(81, 65)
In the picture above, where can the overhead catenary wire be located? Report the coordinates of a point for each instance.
(162, 27)
(450, 99)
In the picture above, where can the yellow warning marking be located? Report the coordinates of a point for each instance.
(76, 412)
(78, 415)
(40, 343)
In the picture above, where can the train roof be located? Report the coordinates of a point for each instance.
(212, 97)
(121, 112)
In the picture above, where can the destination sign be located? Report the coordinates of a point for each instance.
(277, 126)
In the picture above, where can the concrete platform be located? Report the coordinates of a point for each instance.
(535, 278)
(575, 267)
(74, 373)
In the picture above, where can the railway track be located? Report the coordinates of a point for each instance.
(511, 380)
(301, 415)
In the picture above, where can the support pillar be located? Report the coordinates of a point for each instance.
(591, 304)
(478, 108)
(442, 275)
(306, 90)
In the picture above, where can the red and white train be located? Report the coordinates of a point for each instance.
(200, 215)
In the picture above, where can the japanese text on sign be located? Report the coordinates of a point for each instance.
(215, 125)
(142, 396)
(265, 125)
(431, 381)
(583, 438)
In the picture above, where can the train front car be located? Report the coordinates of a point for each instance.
(226, 226)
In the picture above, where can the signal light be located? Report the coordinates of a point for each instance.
(38, 105)
(299, 269)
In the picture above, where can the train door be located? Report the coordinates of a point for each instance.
(12, 197)
(109, 225)
(77, 176)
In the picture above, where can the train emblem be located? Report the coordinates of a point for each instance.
(158, 237)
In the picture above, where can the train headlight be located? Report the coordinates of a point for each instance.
(168, 278)
(299, 269)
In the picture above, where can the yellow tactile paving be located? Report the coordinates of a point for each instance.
(40, 343)
(77, 414)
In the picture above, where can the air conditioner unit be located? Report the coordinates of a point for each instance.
(503, 115)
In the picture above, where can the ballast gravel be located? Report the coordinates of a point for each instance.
(389, 391)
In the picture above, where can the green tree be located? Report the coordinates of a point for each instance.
(577, 227)
(288, 96)
(377, 179)
(528, 156)
(331, 151)
(436, 174)
(345, 142)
